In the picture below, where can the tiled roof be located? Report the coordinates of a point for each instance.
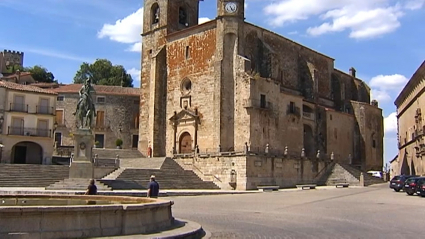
(28, 88)
(100, 89)
(16, 75)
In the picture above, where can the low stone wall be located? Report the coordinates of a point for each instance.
(135, 216)
(244, 172)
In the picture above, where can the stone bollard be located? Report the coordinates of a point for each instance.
(285, 153)
(117, 161)
(302, 153)
(361, 179)
(267, 148)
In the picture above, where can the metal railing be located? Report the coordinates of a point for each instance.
(18, 107)
(308, 115)
(34, 132)
(258, 104)
(40, 109)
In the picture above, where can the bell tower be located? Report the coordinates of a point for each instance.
(230, 43)
(160, 18)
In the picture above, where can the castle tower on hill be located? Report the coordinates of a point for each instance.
(10, 60)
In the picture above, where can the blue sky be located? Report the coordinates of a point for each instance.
(382, 39)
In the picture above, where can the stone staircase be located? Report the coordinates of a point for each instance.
(79, 184)
(142, 163)
(170, 175)
(112, 153)
(344, 173)
(31, 175)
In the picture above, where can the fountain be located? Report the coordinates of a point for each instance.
(81, 216)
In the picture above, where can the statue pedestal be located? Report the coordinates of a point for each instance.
(82, 164)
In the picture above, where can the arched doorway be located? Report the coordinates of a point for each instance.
(27, 153)
(308, 141)
(185, 143)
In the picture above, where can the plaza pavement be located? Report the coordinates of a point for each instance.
(370, 212)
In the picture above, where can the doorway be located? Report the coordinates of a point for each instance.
(20, 154)
(185, 145)
(58, 138)
(135, 141)
(100, 139)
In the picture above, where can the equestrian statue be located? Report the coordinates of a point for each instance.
(85, 111)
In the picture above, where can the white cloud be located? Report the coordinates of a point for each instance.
(128, 30)
(388, 82)
(390, 123)
(386, 87)
(363, 18)
(135, 73)
(414, 4)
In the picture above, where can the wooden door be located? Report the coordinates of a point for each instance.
(59, 117)
(18, 103)
(185, 143)
(44, 106)
(100, 119)
(17, 126)
(43, 128)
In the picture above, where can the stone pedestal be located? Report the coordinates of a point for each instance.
(82, 163)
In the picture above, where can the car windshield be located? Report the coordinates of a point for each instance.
(396, 178)
(410, 180)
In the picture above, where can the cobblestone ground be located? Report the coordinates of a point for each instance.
(372, 212)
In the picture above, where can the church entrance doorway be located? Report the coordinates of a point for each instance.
(185, 143)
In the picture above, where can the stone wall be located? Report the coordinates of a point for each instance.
(243, 172)
(340, 135)
(120, 111)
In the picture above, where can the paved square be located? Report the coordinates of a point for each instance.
(371, 212)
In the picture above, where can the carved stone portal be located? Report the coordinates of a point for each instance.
(185, 124)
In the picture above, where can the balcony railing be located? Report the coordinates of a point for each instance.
(18, 107)
(308, 115)
(46, 110)
(258, 104)
(32, 109)
(34, 132)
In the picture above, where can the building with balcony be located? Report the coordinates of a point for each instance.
(411, 126)
(27, 116)
(117, 115)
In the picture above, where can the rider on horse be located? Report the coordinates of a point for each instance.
(85, 107)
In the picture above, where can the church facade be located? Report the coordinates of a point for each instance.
(238, 103)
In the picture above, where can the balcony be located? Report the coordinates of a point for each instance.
(44, 110)
(101, 127)
(34, 132)
(308, 115)
(258, 104)
(18, 107)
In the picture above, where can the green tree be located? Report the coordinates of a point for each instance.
(38, 73)
(102, 72)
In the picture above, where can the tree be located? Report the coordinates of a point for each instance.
(102, 72)
(38, 73)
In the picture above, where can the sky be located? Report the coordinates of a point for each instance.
(382, 39)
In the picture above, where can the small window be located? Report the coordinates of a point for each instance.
(292, 107)
(262, 101)
(155, 13)
(330, 117)
(183, 17)
(100, 100)
(60, 98)
(187, 52)
(374, 143)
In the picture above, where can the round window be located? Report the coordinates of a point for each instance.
(186, 86)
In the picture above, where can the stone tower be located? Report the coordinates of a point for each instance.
(10, 60)
(161, 18)
(230, 22)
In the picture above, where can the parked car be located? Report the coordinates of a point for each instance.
(420, 187)
(397, 183)
(410, 186)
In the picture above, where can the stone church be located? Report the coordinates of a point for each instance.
(243, 106)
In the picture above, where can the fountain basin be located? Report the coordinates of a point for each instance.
(81, 216)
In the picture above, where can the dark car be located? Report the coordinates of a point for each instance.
(420, 187)
(397, 183)
(410, 186)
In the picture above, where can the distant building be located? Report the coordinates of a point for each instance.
(410, 104)
(10, 61)
(117, 110)
(27, 116)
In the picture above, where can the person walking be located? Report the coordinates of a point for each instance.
(153, 188)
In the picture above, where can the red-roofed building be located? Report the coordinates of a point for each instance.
(27, 116)
(117, 110)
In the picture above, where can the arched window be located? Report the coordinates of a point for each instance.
(183, 19)
(155, 13)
